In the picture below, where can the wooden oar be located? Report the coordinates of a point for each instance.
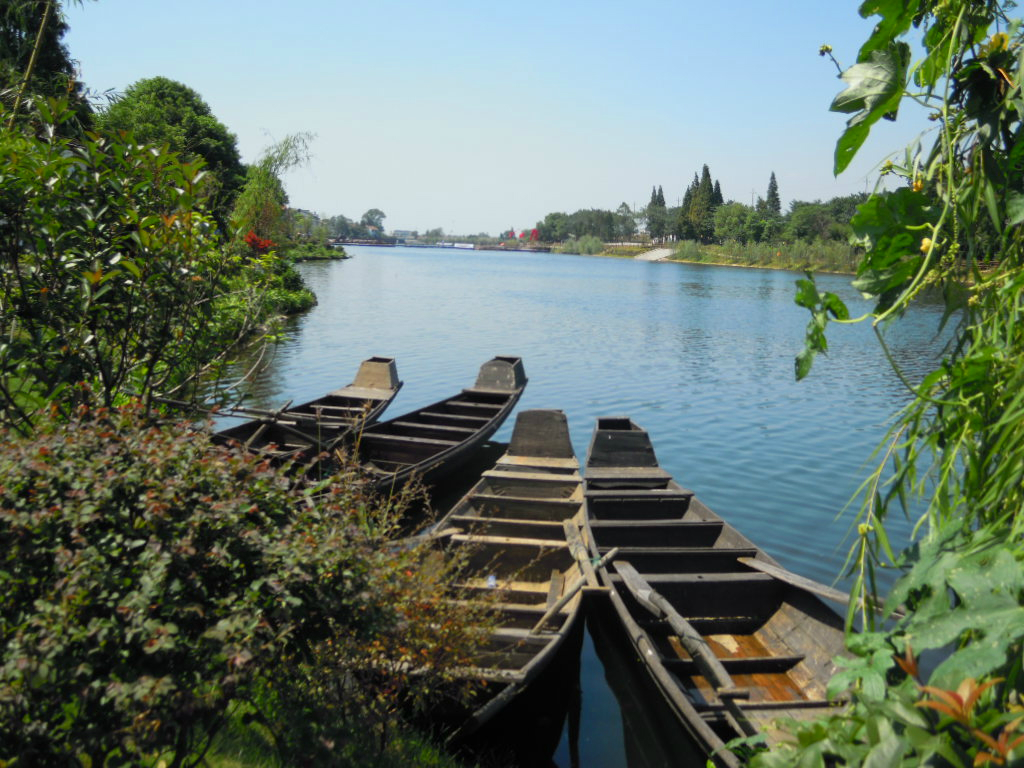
(802, 582)
(579, 551)
(703, 655)
(233, 410)
(568, 594)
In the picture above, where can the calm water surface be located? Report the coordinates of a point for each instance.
(700, 356)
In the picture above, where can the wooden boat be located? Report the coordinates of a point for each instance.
(521, 524)
(436, 439)
(730, 646)
(319, 425)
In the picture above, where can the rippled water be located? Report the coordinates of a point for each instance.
(700, 356)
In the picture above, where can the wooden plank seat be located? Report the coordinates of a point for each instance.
(386, 438)
(703, 564)
(768, 705)
(515, 527)
(638, 533)
(453, 418)
(743, 578)
(436, 429)
(737, 665)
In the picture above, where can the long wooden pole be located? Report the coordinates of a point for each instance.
(568, 594)
(802, 582)
(31, 62)
(703, 655)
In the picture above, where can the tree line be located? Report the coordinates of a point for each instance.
(704, 216)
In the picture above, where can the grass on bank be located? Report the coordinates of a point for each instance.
(827, 256)
(251, 747)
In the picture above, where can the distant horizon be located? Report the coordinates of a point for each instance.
(476, 119)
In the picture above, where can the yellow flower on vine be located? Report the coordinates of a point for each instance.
(918, 185)
(926, 244)
(1000, 41)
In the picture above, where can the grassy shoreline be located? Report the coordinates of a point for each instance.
(826, 257)
(834, 257)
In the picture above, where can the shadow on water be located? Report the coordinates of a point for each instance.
(544, 727)
(651, 735)
(528, 731)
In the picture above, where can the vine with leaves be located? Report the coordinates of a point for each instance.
(942, 685)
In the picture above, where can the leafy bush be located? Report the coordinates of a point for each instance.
(154, 585)
(108, 267)
(315, 252)
(587, 245)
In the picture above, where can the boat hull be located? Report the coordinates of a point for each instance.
(431, 442)
(729, 647)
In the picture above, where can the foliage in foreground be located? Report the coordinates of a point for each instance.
(156, 588)
(111, 272)
(942, 685)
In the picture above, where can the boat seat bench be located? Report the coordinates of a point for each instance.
(433, 427)
(384, 437)
(746, 577)
(745, 665)
(454, 417)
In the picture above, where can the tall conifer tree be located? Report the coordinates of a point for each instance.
(772, 201)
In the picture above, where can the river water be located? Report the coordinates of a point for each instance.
(700, 356)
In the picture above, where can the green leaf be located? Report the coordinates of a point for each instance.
(806, 294)
(835, 306)
(992, 205)
(887, 753)
(803, 363)
(1015, 208)
(897, 16)
(874, 90)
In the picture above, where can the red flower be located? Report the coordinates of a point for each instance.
(258, 244)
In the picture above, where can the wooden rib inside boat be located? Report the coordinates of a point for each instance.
(520, 528)
(320, 424)
(730, 648)
(435, 439)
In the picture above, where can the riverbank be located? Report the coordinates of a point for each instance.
(834, 257)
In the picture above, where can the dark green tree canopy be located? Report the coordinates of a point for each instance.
(54, 71)
(374, 218)
(656, 215)
(161, 111)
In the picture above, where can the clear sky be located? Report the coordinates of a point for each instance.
(480, 116)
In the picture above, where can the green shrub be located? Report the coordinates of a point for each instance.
(315, 252)
(588, 245)
(152, 585)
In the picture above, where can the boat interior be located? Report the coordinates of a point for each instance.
(766, 634)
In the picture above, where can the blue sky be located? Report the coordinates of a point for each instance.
(479, 116)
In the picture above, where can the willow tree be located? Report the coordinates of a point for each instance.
(261, 205)
(952, 229)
